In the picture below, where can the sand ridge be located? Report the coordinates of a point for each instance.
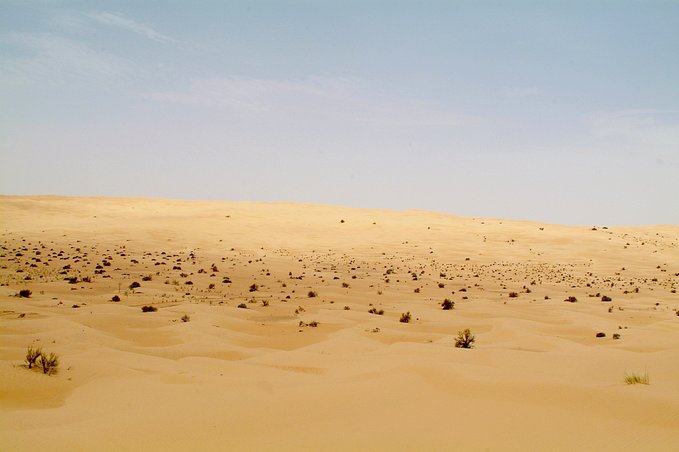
(262, 377)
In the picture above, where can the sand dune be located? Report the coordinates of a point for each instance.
(263, 377)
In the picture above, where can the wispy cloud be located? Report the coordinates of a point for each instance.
(49, 58)
(120, 21)
(337, 98)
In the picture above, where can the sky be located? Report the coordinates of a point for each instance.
(555, 111)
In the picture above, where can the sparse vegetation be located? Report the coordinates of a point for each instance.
(635, 379)
(48, 363)
(571, 299)
(312, 294)
(254, 287)
(243, 306)
(25, 293)
(465, 339)
(405, 317)
(606, 298)
(148, 309)
(513, 294)
(447, 304)
(32, 355)
(115, 298)
(134, 285)
(186, 318)
(374, 310)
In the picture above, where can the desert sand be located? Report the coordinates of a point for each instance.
(302, 364)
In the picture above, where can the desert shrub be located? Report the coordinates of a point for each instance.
(49, 363)
(447, 304)
(312, 294)
(345, 285)
(265, 303)
(571, 299)
(600, 334)
(616, 336)
(441, 285)
(25, 293)
(254, 287)
(417, 290)
(147, 278)
(186, 318)
(513, 294)
(465, 339)
(134, 285)
(347, 308)
(115, 298)
(148, 309)
(243, 306)
(405, 317)
(635, 379)
(32, 355)
(374, 310)
(606, 298)
(211, 286)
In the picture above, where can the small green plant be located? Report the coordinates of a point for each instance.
(32, 355)
(465, 339)
(148, 309)
(405, 317)
(49, 363)
(637, 379)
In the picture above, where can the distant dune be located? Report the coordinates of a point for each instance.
(262, 337)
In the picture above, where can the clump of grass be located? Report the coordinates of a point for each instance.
(49, 363)
(312, 294)
(345, 285)
(513, 294)
(32, 355)
(25, 293)
(254, 287)
(571, 299)
(405, 317)
(637, 379)
(465, 339)
(147, 278)
(606, 298)
(374, 310)
(265, 303)
(243, 306)
(148, 309)
(186, 318)
(447, 305)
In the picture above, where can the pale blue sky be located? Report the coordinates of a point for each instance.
(564, 112)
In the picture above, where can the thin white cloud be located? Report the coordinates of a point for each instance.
(48, 58)
(648, 132)
(331, 98)
(120, 21)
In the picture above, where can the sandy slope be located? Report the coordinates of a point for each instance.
(254, 379)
